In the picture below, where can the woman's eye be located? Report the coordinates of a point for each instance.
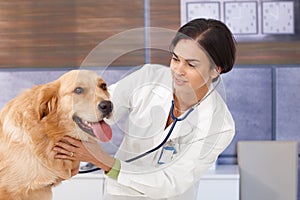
(78, 90)
(103, 86)
(175, 59)
(191, 65)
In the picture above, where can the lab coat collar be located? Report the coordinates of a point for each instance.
(195, 120)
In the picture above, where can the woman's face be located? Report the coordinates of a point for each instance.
(190, 67)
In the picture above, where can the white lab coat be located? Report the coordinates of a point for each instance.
(146, 96)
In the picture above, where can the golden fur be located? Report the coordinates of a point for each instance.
(33, 122)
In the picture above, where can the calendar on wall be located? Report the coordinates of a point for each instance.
(249, 19)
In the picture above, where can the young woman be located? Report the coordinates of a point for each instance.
(178, 100)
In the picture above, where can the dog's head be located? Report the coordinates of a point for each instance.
(79, 100)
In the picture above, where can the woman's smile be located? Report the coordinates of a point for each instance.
(178, 80)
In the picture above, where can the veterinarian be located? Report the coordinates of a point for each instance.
(155, 98)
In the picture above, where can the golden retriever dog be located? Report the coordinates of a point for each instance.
(30, 124)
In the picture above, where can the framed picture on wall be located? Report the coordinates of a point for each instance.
(249, 20)
(266, 31)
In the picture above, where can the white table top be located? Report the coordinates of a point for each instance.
(223, 172)
(220, 172)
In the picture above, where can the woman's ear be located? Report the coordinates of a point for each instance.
(215, 72)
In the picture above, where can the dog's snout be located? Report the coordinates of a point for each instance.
(105, 107)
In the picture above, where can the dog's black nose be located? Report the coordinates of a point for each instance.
(105, 107)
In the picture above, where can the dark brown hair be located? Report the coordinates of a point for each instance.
(214, 37)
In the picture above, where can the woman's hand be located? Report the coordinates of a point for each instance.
(86, 151)
(75, 171)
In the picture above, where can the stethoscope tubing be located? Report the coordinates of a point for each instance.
(162, 143)
(175, 120)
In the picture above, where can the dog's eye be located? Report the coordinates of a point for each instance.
(78, 90)
(103, 86)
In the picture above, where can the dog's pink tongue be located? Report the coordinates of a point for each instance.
(102, 131)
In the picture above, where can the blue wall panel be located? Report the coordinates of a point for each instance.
(288, 106)
(288, 103)
(249, 98)
(14, 81)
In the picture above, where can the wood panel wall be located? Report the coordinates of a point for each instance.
(63, 33)
(166, 16)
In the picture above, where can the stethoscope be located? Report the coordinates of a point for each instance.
(175, 120)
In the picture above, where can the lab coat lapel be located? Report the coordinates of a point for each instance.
(195, 120)
(166, 102)
(181, 129)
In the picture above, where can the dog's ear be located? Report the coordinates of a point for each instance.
(47, 99)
